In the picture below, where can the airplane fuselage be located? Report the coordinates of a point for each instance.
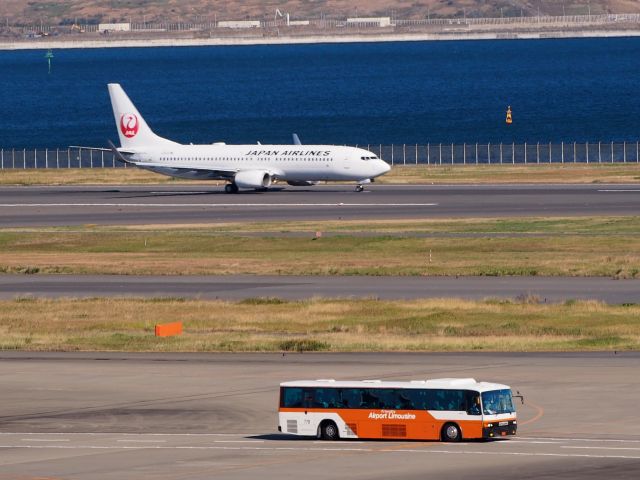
(284, 162)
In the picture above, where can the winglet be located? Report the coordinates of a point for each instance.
(296, 139)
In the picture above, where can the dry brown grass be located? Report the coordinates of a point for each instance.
(325, 325)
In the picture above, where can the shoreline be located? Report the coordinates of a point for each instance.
(41, 44)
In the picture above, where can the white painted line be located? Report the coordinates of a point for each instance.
(617, 440)
(626, 190)
(328, 449)
(237, 441)
(600, 448)
(215, 205)
(140, 440)
(45, 440)
(537, 442)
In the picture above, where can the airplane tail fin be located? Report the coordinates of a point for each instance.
(132, 129)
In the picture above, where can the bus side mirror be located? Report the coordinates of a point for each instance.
(520, 396)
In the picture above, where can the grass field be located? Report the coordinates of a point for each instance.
(599, 246)
(543, 173)
(318, 325)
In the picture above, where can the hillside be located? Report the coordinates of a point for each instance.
(66, 11)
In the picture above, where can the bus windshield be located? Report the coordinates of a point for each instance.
(497, 402)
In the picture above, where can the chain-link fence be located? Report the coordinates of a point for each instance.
(406, 154)
(331, 22)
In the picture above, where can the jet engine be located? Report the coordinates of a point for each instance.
(253, 179)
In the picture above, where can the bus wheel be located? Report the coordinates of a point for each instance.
(451, 433)
(329, 431)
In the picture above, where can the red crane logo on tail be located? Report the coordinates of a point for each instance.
(129, 125)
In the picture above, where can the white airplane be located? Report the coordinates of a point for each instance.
(242, 166)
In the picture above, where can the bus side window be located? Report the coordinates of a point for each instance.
(473, 403)
(351, 398)
(370, 399)
(292, 397)
(307, 401)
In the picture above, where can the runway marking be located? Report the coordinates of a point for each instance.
(327, 449)
(600, 448)
(626, 190)
(617, 440)
(216, 205)
(517, 439)
(45, 440)
(140, 440)
(537, 417)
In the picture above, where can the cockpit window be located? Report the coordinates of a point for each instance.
(368, 158)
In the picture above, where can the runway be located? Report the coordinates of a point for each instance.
(45, 206)
(235, 287)
(204, 416)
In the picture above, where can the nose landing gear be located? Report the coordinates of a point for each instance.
(359, 188)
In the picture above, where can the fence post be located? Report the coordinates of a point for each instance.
(13, 158)
(2, 159)
(611, 152)
(624, 151)
(102, 158)
(57, 158)
(452, 154)
(440, 154)
(68, 158)
(637, 150)
(599, 152)
(513, 153)
(46, 158)
(562, 146)
(489, 152)
(538, 152)
(550, 152)
(391, 154)
(428, 154)
(476, 153)
(464, 154)
(587, 150)
(380, 152)
(416, 153)
(500, 153)
(24, 158)
(404, 153)
(525, 153)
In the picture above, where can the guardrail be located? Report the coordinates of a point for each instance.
(405, 154)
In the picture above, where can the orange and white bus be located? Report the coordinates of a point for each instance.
(447, 409)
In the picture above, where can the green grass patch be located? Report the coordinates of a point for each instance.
(592, 246)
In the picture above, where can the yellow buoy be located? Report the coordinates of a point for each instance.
(509, 119)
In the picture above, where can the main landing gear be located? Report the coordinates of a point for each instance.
(231, 188)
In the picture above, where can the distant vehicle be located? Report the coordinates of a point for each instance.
(447, 409)
(242, 166)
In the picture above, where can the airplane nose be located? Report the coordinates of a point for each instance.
(384, 166)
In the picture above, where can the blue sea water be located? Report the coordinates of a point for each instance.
(413, 92)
